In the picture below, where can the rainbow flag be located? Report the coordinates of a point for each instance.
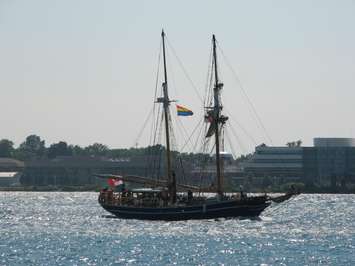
(183, 111)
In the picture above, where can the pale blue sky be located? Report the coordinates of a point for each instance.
(84, 71)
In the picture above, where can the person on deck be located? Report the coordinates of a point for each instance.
(189, 196)
(242, 194)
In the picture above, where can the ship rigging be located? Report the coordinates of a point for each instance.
(162, 201)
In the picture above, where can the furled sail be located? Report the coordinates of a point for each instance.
(210, 118)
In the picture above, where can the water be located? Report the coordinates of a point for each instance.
(71, 229)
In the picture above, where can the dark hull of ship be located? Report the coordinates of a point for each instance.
(220, 209)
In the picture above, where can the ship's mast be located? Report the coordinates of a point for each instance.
(166, 103)
(217, 120)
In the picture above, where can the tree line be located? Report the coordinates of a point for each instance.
(34, 147)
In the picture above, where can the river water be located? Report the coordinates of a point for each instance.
(63, 228)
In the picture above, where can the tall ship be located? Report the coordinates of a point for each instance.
(169, 198)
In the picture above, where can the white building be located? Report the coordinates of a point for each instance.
(9, 179)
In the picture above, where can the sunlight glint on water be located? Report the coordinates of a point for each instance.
(60, 228)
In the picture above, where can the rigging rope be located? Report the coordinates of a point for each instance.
(151, 164)
(155, 94)
(157, 159)
(241, 127)
(209, 79)
(184, 70)
(152, 156)
(183, 131)
(172, 85)
(258, 119)
(174, 143)
(189, 139)
(237, 139)
(144, 125)
(230, 144)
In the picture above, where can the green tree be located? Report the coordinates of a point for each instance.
(97, 149)
(33, 147)
(59, 149)
(77, 150)
(6, 148)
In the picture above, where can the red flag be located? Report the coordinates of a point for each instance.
(111, 182)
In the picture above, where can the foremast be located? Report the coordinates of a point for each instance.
(218, 121)
(166, 103)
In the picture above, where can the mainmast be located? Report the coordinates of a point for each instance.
(166, 103)
(218, 119)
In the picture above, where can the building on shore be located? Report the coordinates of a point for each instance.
(10, 172)
(329, 162)
(11, 165)
(76, 170)
(10, 179)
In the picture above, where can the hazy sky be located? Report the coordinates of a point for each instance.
(84, 71)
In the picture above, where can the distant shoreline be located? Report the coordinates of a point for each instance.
(97, 189)
(50, 189)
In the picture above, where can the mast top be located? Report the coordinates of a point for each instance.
(162, 33)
